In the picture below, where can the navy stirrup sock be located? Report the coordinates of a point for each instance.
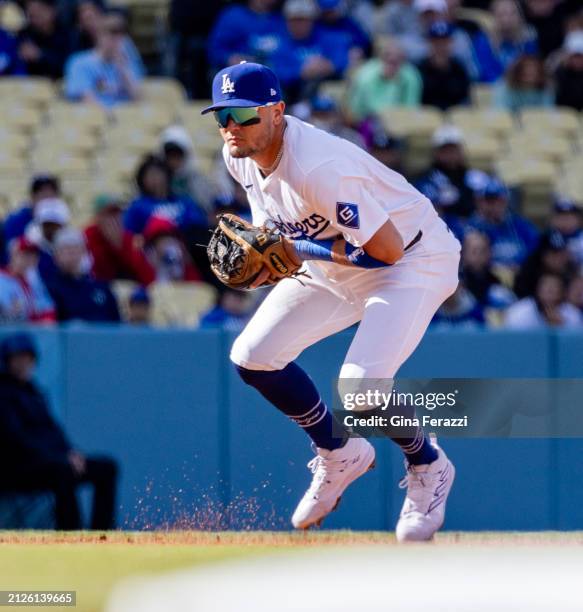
(292, 391)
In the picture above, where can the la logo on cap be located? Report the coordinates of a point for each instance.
(228, 85)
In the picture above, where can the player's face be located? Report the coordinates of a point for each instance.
(250, 140)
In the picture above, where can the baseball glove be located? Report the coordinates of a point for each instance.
(238, 251)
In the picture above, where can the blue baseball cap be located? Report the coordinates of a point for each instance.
(440, 29)
(244, 85)
(494, 188)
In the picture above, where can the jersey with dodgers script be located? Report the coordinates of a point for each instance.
(325, 186)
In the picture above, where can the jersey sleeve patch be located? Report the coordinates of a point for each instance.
(347, 215)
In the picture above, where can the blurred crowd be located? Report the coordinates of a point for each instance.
(394, 53)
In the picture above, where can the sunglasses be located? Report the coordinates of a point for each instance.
(241, 116)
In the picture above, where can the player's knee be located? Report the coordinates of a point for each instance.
(248, 355)
(359, 393)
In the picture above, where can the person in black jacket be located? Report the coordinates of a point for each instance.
(445, 80)
(35, 453)
(43, 45)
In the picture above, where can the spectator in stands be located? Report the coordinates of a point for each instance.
(10, 62)
(50, 215)
(77, 295)
(23, 296)
(512, 237)
(307, 54)
(89, 14)
(139, 307)
(185, 53)
(43, 45)
(325, 114)
(547, 308)
(510, 38)
(567, 219)
(177, 152)
(525, 85)
(108, 74)
(387, 149)
(449, 176)
(42, 186)
(461, 310)
(113, 249)
(551, 256)
(478, 275)
(167, 253)
(335, 19)
(39, 453)
(569, 76)
(250, 32)
(156, 199)
(548, 19)
(384, 82)
(232, 311)
(407, 21)
(445, 80)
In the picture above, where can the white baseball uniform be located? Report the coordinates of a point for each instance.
(325, 187)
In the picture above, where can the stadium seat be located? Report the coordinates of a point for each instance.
(560, 121)
(537, 179)
(90, 116)
(17, 117)
(497, 123)
(70, 138)
(181, 304)
(539, 145)
(482, 150)
(481, 95)
(165, 91)
(150, 117)
(129, 140)
(35, 92)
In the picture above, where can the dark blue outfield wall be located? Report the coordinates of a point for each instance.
(200, 450)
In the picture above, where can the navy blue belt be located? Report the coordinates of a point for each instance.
(414, 241)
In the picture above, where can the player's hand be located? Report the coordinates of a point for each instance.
(316, 67)
(264, 278)
(78, 462)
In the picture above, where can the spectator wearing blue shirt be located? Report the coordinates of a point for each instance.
(232, 311)
(511, 37)
(42, 186)
(250, 32)
(76, 294)
(512, 237)
(10, 62)
(335, 20)
(107, 75)
(156, 199)
(307, 54)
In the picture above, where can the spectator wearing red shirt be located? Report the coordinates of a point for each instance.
(115, 252)
(166, 252)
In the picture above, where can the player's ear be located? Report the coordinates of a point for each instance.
(278, 113)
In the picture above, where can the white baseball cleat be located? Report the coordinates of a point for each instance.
(428, 486)
(333, 472)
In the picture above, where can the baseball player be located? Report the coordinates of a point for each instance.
(374, 251)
